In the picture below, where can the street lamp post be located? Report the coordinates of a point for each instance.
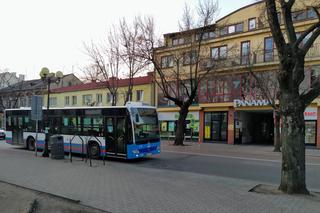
(49, 78)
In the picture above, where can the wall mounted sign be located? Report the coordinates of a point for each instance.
(244, 103)
(311, 113)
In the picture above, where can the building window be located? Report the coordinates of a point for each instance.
(232, 29)
(53, 101)
(239, 27)
(74, 100)
(167, 61)
(139, 95)
(268, 49)
(99, 98)
(279, 17)
(178, 41)
(224, 31)
(206, 35)
(23, 102)
(67, 101)
(109, 98)
(252, 24)
(245, 52)
(219, 53)
(86, 100)
(190, 58)
(311, 14)
(299, 15)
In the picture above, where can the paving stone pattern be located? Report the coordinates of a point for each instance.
(125, 187)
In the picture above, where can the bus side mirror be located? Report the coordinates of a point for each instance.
(137, 118)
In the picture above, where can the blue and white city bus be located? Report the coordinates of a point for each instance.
(130, 131)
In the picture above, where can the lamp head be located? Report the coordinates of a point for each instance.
(59, 74)
(44, 72)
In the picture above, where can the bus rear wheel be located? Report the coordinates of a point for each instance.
(94, 150)
(31, 144)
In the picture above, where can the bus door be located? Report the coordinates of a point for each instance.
(17, 131)
(116, 130)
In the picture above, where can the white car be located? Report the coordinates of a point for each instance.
(2, 134)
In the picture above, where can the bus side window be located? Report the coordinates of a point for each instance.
(97, 126)
(20, 123)
(109, 125)
(87, 125)
(9, 123)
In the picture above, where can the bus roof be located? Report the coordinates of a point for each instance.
(89, 107)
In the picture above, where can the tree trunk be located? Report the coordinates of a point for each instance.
(293, 180)
(180, 128)
(277, 141)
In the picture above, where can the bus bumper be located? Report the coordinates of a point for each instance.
(143, 150)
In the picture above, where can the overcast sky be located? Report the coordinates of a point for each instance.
(38, 33)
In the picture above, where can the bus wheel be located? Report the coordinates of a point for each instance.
(31, 144)
(94, 150)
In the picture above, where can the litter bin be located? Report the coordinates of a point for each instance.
(57, 148)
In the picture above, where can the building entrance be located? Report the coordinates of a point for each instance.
(254, 127)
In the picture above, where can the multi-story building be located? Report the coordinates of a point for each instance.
(97, 94)
(229, 107)
(19, 94)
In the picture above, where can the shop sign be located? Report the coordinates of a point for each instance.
(173, 116)
(311, 113)
(244, 103)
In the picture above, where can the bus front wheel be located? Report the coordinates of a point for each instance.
(94, 150)
(31, 144)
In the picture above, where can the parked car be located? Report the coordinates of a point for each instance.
(2, 134)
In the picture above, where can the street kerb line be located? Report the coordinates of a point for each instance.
(233, 157)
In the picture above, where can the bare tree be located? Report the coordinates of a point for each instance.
(11, 90)
(129, 38)
(180, 83)
(105, 64)
(292, 51)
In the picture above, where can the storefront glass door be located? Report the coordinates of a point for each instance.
(215, 127)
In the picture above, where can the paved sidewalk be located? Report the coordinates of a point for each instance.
(125, 187)
(241, 151)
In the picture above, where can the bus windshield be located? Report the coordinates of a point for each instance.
(146, 128)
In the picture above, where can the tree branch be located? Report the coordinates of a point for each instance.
(288, 23)
(312, 94)
(275, 26)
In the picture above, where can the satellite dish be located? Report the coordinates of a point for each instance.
(59, 74)
(44, 72)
